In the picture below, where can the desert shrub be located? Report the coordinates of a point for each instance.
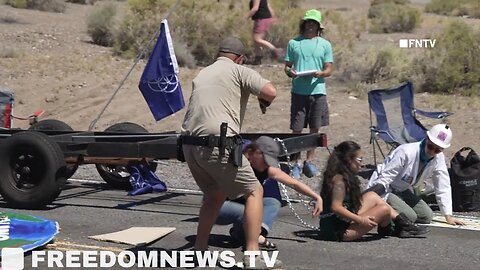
(184, 56)
(140, 22)
(343, 32)
(374, 69)
(389, 63)
(389, 18)
(375, 66)
(454, 8)
(201, 33)
(398, 2)
(42, 5)
(453, 66)
(100, 24)
(194, 24)
(17, 3)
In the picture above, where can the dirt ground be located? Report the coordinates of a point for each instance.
(59, 70)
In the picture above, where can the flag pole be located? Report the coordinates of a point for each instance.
(139, 56)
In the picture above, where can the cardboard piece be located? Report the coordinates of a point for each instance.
(135, 236)
(471, 223)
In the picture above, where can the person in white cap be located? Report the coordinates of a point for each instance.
(407, 168)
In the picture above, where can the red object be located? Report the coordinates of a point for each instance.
(323, 138)
(7, 112)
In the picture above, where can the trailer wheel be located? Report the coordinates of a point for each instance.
(56, 125)
(117, 176)
(50, 124)
(32, 171)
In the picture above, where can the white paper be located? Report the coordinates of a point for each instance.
(305, 73)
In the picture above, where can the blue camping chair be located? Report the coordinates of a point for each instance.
(396, 122)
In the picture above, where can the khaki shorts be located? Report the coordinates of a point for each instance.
(213, 172)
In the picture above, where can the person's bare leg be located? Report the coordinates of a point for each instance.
(257, 46)
(259, 39)
(374, 206)
(371, 200)
(207, 216)
(380, 213)
(252, 221)
(393, 212)
(311, 153)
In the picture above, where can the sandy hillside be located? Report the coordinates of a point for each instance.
(59, 70)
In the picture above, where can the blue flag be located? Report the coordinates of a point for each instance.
(144, 180)
(159, 83)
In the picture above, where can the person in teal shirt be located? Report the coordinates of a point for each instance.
(308, 61)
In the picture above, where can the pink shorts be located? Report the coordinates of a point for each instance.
(262, 25)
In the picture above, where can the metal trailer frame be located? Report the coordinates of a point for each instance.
(35, 164)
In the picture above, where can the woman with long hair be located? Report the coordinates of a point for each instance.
(348, 213)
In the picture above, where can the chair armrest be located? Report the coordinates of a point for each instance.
(437, 115)
(382, 131)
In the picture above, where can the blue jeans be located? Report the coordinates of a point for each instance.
(232, 213)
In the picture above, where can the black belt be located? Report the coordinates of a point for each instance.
(211, 141)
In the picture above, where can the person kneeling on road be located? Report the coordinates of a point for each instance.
(263, 157)
(407, 167)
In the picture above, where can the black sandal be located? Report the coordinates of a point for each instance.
(236, 236)
(267, 245)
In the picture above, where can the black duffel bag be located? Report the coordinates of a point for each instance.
(465, 181)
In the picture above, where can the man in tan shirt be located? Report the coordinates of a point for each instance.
(219, 95)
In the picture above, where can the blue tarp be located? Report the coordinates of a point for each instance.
(25, 231)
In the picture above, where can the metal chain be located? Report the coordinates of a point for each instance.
(287, 198)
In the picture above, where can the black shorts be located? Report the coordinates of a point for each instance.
(308, 111)
(333, 228)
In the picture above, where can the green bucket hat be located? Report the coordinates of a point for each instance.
(315, 15)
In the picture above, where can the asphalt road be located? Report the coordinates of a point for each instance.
(84, 209)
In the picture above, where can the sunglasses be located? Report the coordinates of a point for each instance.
(434, 148)
(359, 159)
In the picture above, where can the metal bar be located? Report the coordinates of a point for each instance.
(303, 143)
(165, 148)
(156, 145)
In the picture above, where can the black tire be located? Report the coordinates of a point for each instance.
(117, 176)
(56, 125)
(32, 171)
(50, 124)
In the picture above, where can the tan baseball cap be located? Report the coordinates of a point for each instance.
(232, 45)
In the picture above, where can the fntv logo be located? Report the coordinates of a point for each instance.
(417, 43)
